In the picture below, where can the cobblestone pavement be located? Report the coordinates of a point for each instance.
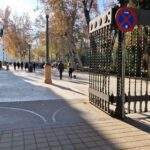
(57, 123)
(105, 135)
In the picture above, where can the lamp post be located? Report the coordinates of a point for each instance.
(2, 37)
(29, 46)
(30, 66)
(47, 71)
(3, 56)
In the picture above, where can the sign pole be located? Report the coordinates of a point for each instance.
(126, 19)
(123, 76)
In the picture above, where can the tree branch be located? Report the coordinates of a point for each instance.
(90, 5)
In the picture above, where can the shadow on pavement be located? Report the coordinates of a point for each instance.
(93, 137)
(80, 134)
(68, 89)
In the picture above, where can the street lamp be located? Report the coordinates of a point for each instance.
(30, 67)
(29, 46)
(2, 36)
(47, 71)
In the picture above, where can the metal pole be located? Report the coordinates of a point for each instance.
(47, 39)
(119, 111)
(29, 54)
(123, 76)
(3, 56)
(47, 73)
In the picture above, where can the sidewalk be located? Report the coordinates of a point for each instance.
(59, 117)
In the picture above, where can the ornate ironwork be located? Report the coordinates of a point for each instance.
(107, 86)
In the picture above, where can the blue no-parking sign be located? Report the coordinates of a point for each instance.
(126, 19)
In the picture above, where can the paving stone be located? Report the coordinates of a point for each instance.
(52, 139)
(29, 137)
(65, 142)
(62, 137)
(6, 144)
(75, 140)
(40, 136)
(54, 143)
(17, 138)
(95, 148)
(30, 146)
(6, 140)
(17, 143)
(41, 140)
(80, 146)
(68, 147)
(140, 148)
(41, 145)
(101, 142)
(106, 147)
(5, 148)
(90, 144)
(87, 139)
(18, 147)
(57, 148)
(72, 136)
(29, 141)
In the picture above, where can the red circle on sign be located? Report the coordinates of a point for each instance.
(126, 19)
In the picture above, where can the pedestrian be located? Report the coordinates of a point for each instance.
(34, 66)
(15, 65)
(0, 65)
(7, 65)
(26, 66)
(60, 69)
(18, 65)
(21, 65)
(70, 69)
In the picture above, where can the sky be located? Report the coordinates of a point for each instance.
(105, 4)
(18, 7)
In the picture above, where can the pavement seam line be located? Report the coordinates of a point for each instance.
(26, 110)
(55, 113)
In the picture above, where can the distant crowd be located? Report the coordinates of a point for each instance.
(32, 66)
(27, 65)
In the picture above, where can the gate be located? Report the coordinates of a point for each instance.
(119, 71)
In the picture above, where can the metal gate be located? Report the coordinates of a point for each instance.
(119, 71)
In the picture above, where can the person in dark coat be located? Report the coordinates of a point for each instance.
(18, 65)
(34, 66)
(70, 69)
(60, 69)
(26, 65)
(15, 65)
(0, 65)
(21, 65)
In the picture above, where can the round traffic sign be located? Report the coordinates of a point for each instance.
(126, 19)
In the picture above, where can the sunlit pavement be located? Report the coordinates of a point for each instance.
(36, 116)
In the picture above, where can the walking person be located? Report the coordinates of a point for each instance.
(21, 65)
(70, 69)
(15, 65)
(34, 66)
(26, 66)
(0, 65)
(18, 65)
(60, 69)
